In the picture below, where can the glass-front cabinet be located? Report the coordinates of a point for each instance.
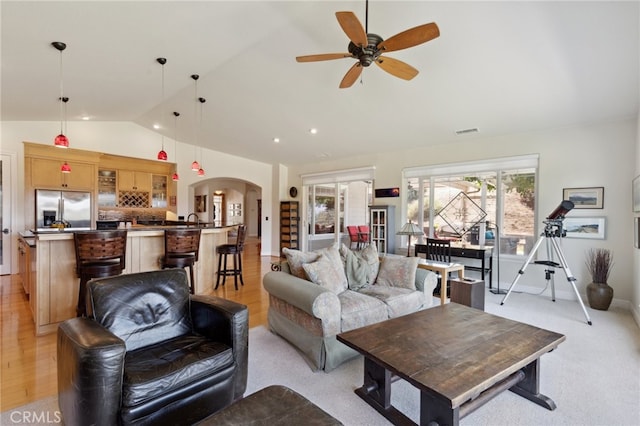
(107, 188)
(159, 191)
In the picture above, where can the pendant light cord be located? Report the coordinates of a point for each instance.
(62, 103)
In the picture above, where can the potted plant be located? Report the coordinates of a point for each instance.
(599, 293)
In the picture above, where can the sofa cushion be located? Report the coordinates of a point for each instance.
(398, 271)
(327, 274)
(169, 365)
(399, 301)
(359, 310)
(361, 266)
(297, 258)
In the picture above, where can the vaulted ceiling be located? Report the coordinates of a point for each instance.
(500, 67)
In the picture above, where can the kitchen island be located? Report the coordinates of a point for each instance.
(54, 292)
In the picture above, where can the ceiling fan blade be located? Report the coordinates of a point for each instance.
(351, 76)
(352, 28)
(397, 68)
(323, 57)
(411, 37)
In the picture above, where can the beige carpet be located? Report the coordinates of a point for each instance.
(593, 377)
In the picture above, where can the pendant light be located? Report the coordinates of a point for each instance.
(195, 166)
(66, 168)
(175, 176)
(61, 141)
(162, 155)
(200, 169)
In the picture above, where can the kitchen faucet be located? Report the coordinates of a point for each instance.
(197, 218)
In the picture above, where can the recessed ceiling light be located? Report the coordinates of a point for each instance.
(276, 140)
(86, 118)
(156, 126)
(313, 130)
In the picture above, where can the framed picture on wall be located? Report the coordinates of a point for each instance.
(585, 198)
(585, 227)
(201, 203)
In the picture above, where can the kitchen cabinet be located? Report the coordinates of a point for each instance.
(23, 264)
(159, 191)
(107, 196)
(130, 180)
(46, 174)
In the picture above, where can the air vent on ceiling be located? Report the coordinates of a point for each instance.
(466, 131)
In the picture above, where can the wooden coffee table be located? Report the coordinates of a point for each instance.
(459, 358)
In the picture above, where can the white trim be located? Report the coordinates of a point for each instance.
(519, 162)
(336, 176)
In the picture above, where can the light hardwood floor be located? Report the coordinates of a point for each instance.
(28, 370)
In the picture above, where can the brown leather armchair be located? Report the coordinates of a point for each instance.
(151, 353)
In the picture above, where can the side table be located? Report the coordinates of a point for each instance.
(468, 292)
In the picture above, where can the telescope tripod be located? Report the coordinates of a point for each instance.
(553, 230)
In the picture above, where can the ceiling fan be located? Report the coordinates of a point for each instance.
(368, 48)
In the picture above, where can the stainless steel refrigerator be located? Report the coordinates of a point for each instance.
(72, 208)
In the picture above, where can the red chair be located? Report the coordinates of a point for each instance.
(364, 234)
(353, 236)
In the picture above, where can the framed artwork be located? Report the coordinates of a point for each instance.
(387, 192)
(585, 198)
(585, 227)
(635, 195)
(201, 203)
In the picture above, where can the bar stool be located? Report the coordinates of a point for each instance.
(181, 247)
(99, 254)
(236, 251)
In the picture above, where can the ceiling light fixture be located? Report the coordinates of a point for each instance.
(276, 140)
(313, 131)
(202, 101)
(175, 176)
(61, 141)
(162, 155)
(195, 166)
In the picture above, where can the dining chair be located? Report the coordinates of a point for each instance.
(438, 251)
(353, 236)
(363, 234)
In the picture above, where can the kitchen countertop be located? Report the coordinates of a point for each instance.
(33, 232)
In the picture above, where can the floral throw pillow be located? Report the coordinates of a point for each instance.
(327, 274)
(398, 272)
(297, 258)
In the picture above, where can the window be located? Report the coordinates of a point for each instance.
(470, 202)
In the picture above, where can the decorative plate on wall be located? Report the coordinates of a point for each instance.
(293, 191)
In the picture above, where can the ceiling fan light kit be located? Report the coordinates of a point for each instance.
(368, 48)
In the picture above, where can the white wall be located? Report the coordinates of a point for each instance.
(129, 139)
(582, 156)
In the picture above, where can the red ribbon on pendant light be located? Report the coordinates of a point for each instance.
(61, 141)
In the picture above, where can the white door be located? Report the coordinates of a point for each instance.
(5, 214)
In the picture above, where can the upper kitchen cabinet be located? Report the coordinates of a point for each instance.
(47, 174)
(129, 180)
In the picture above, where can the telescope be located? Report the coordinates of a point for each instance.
(560, 212)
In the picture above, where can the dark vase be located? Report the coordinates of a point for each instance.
(599, 295)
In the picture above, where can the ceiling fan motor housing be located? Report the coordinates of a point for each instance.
(368, 54)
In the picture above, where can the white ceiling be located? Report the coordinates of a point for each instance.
(502, 67)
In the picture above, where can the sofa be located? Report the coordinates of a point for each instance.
(151, 353)
(317, 295)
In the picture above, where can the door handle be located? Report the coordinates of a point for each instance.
(5, 231)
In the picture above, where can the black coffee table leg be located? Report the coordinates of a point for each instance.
(376, 391)
(529, 387)
(434, 411)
